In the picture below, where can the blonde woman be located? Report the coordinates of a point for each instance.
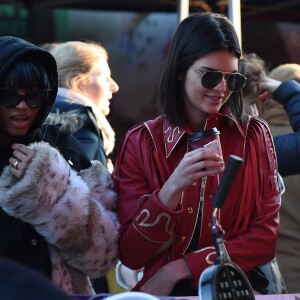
(85, 90)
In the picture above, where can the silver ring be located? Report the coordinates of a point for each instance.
(16, 164)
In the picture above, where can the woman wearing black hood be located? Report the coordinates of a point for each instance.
(56, 207)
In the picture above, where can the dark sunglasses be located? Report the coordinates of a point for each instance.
(210, 79)
(9, 98)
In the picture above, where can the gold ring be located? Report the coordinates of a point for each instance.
(16, 164)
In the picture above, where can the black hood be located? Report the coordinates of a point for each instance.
(11, 50)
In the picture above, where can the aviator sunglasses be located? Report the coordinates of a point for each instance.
(210, 79)
(9, 98)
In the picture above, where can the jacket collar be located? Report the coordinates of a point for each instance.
(173, 134)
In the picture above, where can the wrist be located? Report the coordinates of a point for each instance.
(180, 268)
(169, 195)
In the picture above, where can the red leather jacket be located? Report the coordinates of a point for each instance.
(151, 235)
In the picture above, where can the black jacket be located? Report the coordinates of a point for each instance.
(19, 240)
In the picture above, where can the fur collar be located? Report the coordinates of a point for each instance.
(70, 121)
(79, 119)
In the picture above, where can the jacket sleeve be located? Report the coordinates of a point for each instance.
(146, 225)
(92, 143)
(288, 145)
(73, 212)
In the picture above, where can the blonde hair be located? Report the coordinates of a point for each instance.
(75, 60)
(273, 112)
(286, 72)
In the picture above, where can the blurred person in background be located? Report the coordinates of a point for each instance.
(282, 111)
(83, 99)
(85, 88)
(255, 69)
(275, 97)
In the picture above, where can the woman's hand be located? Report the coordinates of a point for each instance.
(194, 165)
(22, 156)
(268, 87)
(165, 279)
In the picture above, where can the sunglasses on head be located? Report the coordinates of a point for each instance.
(9, 98)
(210, 79)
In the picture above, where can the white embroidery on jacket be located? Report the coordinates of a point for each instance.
(144, 224)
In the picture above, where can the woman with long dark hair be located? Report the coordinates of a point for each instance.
(166, 189)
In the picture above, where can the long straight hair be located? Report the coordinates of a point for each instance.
(196, 36)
